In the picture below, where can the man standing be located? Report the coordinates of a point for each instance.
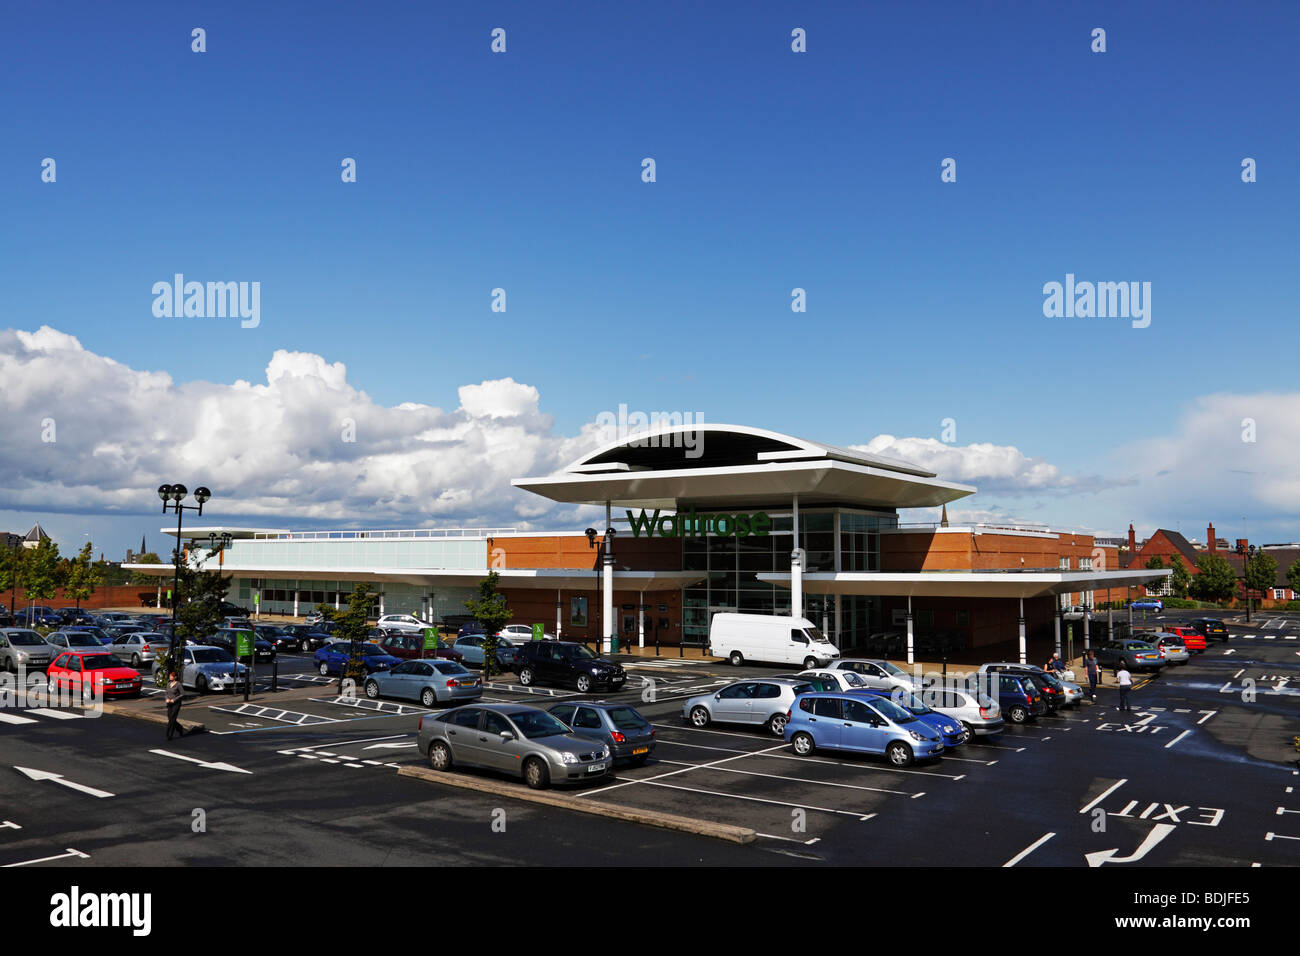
(1090, 665)
(1125, 681)
(175, 692)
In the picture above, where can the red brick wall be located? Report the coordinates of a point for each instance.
(118, 595)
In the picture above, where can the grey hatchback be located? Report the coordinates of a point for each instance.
(627, 734)
(517, 739)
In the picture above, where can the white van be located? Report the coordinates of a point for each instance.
(768, 637)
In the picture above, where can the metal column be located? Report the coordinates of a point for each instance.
(1022, 632)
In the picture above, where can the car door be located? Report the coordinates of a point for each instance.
(400, 682)
(765, 702)
(462, 733)
(825, 715)
(587, 722)
(862, 729)
(497, 753)
(563, 713)
(731, 704)
(796, 648)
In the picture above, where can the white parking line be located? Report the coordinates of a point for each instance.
(1176, 739)
(777, 776)
(57, 714)
(1028, 850)
(780, 803)
(673, 773)
(15, 719)
(1104, 794)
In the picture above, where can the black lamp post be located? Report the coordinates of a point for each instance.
(172, 496)
(1246, 554)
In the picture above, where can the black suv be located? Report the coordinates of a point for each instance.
(263, 650)
(1210, 628)
(561, 662)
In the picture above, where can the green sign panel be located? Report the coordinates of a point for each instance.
(243, 643)
(539, 632)
(257, 599)
(687, 524)
(430, 639)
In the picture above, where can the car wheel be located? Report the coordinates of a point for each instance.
(439, 756)
(700, 716)
(803, 744)
(324, 669)
(584, 683)
(201, 684)
(9, 664)
(776, 725)
(1018, 715)
(54, 687)
(809, 663)
(526, 677)
(135, 661)
(899, 753)
(372, 689)
(736, 658)
(427, 697)
(535, 774)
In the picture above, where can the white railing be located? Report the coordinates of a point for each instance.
(408, 534)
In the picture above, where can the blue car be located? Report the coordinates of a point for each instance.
(949, 730)
(98, 632)
(332, 658)
(36, 617)
(470, 647)
(861, 723)
(1148, 604)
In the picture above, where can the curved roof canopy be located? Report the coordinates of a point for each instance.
(735, 466)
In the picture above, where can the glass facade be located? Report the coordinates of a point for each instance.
(277, 595)
(732, 566)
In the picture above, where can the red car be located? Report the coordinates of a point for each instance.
(411, 647)
(1193, 638)
(97, 672)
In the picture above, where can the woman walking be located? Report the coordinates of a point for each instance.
(175, 692)
(1090, 664)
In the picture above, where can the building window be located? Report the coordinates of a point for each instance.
(1065, 564)
(963, 618)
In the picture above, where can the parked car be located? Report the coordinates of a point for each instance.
(566, 664)
(520, 740)
(74, 640)
(411, 646)
(620, 727)
(1172, 645)
(93, 674)
(1211, 628)
(1076, 613)
(402, 622)
(951, 732)
(310, 637)
(23, 647)
(979, 714)
(332, 658)
(1148, 604)
(879, 673)
(116, 629)
(430, 682)
(225, 638)
(772, 638)
(278, 637)
(6, 619)
(815, 679)
(1135, 655)
(1192, 638)
(470, 647)
(522, 632)
(764, 703)
(207, 668)
(98, 633)
(139, 648)
(114, 617)
(36, 617)
(1057, 691)
(861, 724)
(1017, 696)
(73, 615)
(236, 622)
(845, 680)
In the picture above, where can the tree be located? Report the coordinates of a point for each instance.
(39, 577)
(1181, 580)
(1292, 577)
(353, 627)
(139, 577)
(84, 576)
(1261, 575)
(198, 601)
(490, 610)
(1215, 579)
(11, 563)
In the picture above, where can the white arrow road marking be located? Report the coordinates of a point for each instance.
(202, 763)
(1279, 836)
(1229, 651)
(1158, 833)
(1282, 810)
(58, 778)
(1208, 714)
(47, 859)
(1176, 739)
(9, 825)
(390, 746)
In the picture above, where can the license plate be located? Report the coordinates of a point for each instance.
(640, 750)
(596, 768)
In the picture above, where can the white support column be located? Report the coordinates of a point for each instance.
(1022, 632)
(911, 645)
(1087, 641)
(607, 598)
(336, 600)
(640, 621)
(559, 625)
(158, 601)
(295, 602)
(796, 563)
(1056, 627)
(381, 603)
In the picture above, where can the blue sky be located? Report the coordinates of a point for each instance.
(775, 170)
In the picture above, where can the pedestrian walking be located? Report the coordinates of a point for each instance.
(175, 692)
(1125, 681)
(1090, 665)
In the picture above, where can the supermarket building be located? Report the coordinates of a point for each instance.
(735, 519)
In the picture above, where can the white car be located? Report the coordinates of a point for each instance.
(848, 680)
(402, 622)
(521, 632)
(878, 673)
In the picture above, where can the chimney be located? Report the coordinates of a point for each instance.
(1132, 540)
(1210, 539)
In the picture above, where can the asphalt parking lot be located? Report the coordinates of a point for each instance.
(1202, 772)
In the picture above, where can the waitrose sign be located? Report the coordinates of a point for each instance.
(687, 524)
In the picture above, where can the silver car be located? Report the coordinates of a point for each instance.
(980, 715)
(762, 702)
(880, 674)
(139, 648)
(22, 647)
(1176, 651)
(847, 680)
(74, 641)
(209, 668)
(432, 681)
(517, 739)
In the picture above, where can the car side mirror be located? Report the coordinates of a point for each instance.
(506, 735)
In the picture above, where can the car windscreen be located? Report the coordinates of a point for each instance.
(579, 652)
(99, 662)
(538, 723)
(24, 638)
(891, 710)
(625, 718)
(852, 679)
(449, 667)
(815, 634)
(212, 655)
(94, 631)
(77, 639)
(891, 668)
(912, 702)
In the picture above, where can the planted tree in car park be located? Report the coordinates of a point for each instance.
(353, 627)
(11, 563)
(85, 575)
(1292, 577)
(1262, 574)
(198, 610)
(39, 573)
(490, 610)
(1181, 579)
(1215, 579)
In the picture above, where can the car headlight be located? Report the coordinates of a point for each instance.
(915, 735)
(568, 757)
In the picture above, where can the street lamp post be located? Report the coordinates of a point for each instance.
(172, 496)
(1246, 554)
